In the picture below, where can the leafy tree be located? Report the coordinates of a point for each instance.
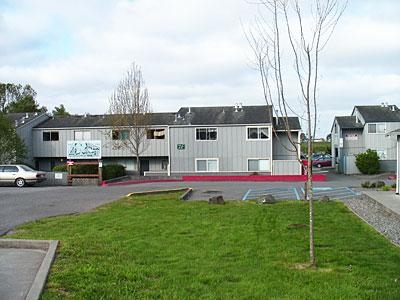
(17, 98)
(60, 111)
(368, 162)
(12, 148)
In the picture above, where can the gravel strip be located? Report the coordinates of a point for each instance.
(375, 214)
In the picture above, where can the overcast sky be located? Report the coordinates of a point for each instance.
(192, 53)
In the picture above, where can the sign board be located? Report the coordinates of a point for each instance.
(180, 146)
(341, 142)
(70, 162)
(351, 137)
(58, 176)
(83, 149)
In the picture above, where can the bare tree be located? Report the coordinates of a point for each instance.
(129, 113)
(294, 31)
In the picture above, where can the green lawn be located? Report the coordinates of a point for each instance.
(157, 247)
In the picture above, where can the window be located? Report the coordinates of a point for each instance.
(120, 135)
(207, 165)
(50, 136)
(257, 133)
(82, 135)
(254, 165)
(156, 134)
(10, 169)
(377, 128)
(206, 134)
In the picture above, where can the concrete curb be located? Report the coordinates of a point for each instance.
(40, 279)
(384, 207)
(187, 191)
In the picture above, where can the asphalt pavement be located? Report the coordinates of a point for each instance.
(23, 268)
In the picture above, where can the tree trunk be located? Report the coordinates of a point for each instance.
(310, 196)
(138, 164)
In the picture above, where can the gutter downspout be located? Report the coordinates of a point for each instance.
(169, 152)
(398, 166)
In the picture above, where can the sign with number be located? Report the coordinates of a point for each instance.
(181, 146)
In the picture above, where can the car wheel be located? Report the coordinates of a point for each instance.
(319, 166)
(19, 182)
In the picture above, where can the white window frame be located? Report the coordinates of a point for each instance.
(259, 158)
(206, 128)
(85, 135)
(258, 133)
(207, 160)
(376, 128)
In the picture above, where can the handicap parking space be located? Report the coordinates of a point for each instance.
(282, 193)
(296, 193)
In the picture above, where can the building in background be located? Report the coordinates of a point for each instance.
(367, 127)
(225, 140)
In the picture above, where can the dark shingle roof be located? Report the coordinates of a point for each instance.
(349, 122)
(293, 123)
(224, 115)
(22, 118)
(221, 115)
(378, 113)
(100, 121)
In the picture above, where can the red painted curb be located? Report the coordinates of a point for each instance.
(319, 177)
(105, 184)
(288, 178)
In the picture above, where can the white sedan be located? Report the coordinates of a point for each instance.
(20, 175)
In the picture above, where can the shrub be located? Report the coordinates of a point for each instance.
(372, 185)
(366, 184)
(368, 162)
(386, 188)
(393, 185)
(380, 184)
(113, 171)
(60, 168)
(109, 171)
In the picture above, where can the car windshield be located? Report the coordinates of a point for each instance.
(26, 168)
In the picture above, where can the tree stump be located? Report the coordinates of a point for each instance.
(216, 200)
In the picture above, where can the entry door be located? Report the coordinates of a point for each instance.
(144, 166)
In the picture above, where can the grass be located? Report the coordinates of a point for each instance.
(157, 247)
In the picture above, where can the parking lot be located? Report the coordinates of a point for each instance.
(20, 205)
(283, 193)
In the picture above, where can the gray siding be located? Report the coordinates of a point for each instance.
(287, 167)
(380, 141)
(154, 148)
(25, 133)
(231, 148)
(353, 141)
(283, 149)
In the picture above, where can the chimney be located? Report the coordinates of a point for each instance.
(190, 111)
(393, 107)
(16, 123)
(236, 107)
(26, 115)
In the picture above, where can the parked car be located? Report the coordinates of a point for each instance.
(323, 161)
(20, 175)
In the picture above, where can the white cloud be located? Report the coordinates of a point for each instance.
(192, 53)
